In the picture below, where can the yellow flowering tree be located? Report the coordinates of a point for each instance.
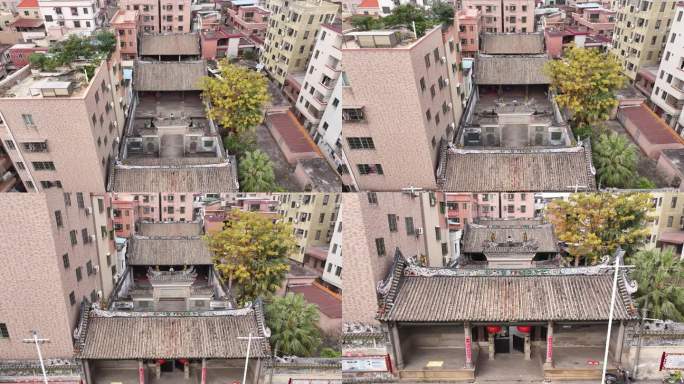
(236, 98)
(251, 254)
(593, 225)
(585, 81)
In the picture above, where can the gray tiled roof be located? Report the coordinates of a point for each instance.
(170, 229)
(512, 43)
(168, 251)
(475, 236)
(169, 75)
(170, 44)
(199, 179)
(510, 69)
(493, 298)
(154, 335)
(518, 170)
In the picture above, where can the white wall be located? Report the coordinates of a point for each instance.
(334, 259)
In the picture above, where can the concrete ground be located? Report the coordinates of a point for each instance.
(645, 167)
(508, 367)
(283, 170)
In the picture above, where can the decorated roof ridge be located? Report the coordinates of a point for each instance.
(225, 162)
(663, 327)
(169, 237)
(576, 148)
(389, 287)
(264, 331)
(358, 329)
(306, 362)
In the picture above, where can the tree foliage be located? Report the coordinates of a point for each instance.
(63, 53)
(236, 98)
(293, 324)
(256, 172)
(585, 81)
(593, 225)
(443, 12)
(615, 158)
(659, 275)
(366, 23)
(406, 15)
(239, 145)
(251, 254)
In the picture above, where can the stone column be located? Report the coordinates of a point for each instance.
(204, 372)
(398, 359)
(141, 372)
(157, 369)
(186, 370)
(527, 349)
(86, 371)
(619, 344)
(549, 346)
(468, 345)
(490, 345)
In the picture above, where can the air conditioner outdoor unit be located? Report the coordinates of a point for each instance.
(91, 238)
(419, 231)
(99, 295)
(446, 81)
(88, 211)
(96, 268)
(443, 59)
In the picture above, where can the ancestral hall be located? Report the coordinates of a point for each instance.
(455, 324)
(510, 243)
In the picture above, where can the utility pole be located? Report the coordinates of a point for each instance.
(38, 341)
(249, 346)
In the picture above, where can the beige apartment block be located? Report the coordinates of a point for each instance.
(397, 106)
(50, 242)
(640, 34)
(313, 217)
(667, 220)
(292, 31)
(161, 16)
(500, 16)
(62, 131)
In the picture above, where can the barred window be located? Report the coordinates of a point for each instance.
(360, 143)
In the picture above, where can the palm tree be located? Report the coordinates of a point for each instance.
(659, 275)
(616, 161)
(293, 325)
(256, 172)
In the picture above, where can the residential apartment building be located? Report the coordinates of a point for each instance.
(125, 25)
(463, 208)
(46, 119)
(469, 31)
(640, 34)
(29, 9)
(313, 216)
(668, 91)
(499, 16)
(52, 245)
(64, 17)
(321, 78)
(401, 104)
(667, 223)
(292, 30)
(250, 19)
(594, 19)
(160, 16)
(332, 272)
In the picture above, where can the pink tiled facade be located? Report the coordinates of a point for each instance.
(393, 87)
(159, 16)
(250, 20)
(42, 243)
(596, 21)
(125, 24)
(176, 206)
(124, 215)
(464, 208)
(19, 53)
(469, 31)
(86, 123)
(502, 16)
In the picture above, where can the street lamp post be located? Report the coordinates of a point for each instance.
(37, 341)
(249, 346)
(610, 316)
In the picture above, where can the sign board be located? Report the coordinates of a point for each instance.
(365, 364)
(672, 361)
